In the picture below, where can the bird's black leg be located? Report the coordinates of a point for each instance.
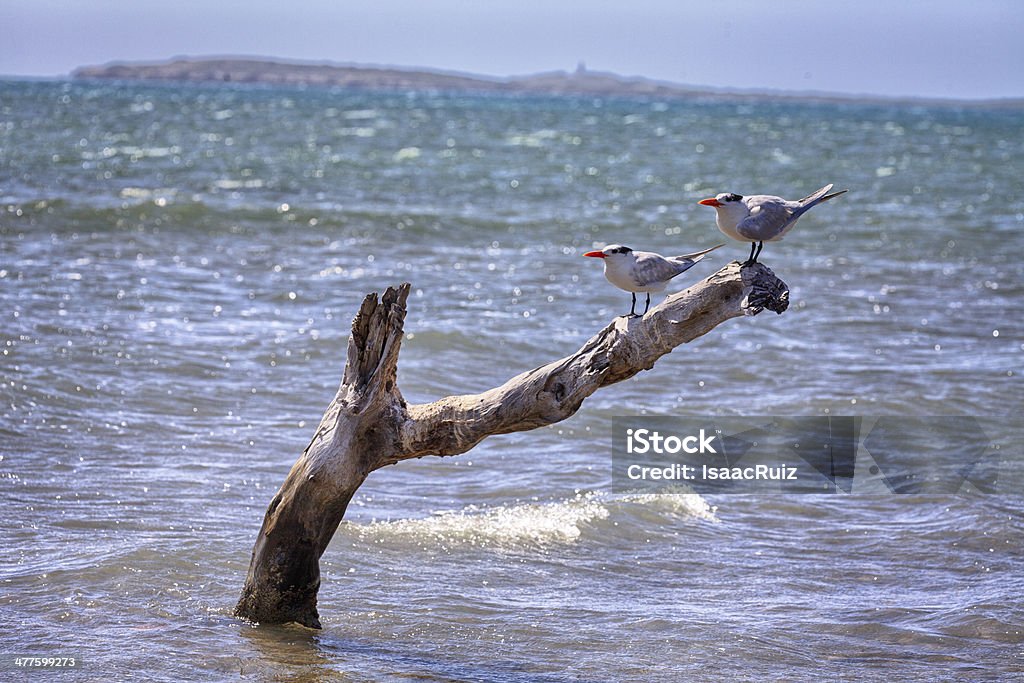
(750, 259)
(760, 246)
(632, 309)
(648, 303)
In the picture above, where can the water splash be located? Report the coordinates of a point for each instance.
(524, 524)
(681, 500)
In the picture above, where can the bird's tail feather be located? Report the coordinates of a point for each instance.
(698, 255)
(830, 196)
(820, 196)
(816, 194)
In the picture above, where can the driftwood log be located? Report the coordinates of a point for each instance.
(369, 425)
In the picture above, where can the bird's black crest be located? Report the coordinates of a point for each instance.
(733, 197)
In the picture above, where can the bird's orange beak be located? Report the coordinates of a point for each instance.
(711, 201)
(595, 254)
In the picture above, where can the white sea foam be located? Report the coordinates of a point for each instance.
(131, 151)
(407, 153)
(556, 522)
(360, 114)
(537, 138)
(681, 500)
(145, 193)
(358, 131)
(525, 523)
(231, 184)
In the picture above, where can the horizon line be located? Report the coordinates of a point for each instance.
(512, 79)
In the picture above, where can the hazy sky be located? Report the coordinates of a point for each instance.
(948, 48)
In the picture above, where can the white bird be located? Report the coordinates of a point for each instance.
(761, 218)
(643, 271)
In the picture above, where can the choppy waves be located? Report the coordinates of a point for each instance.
(178, 269)
(530, 524)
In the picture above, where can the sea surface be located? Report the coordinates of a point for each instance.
(179, 266)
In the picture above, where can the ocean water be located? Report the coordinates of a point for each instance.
(179, 266)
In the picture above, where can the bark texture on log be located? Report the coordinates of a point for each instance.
(369, 425)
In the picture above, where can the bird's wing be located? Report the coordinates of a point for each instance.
(651, 268)
(769, 217)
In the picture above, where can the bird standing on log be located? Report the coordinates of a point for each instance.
(762, 218)
(643, 271)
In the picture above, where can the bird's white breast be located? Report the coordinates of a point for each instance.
(619, 272)
(728, 216)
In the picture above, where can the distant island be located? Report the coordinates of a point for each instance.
(239, 70)
(578, 82)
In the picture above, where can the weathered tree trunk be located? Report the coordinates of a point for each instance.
(369, 425)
